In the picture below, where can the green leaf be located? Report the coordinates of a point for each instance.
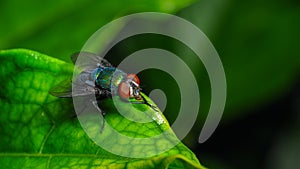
(38, 130)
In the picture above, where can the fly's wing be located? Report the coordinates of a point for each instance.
(64, 89)
(89, 60)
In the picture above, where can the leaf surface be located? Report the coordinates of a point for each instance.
(37, 130)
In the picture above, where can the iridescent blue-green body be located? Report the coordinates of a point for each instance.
(108, 77)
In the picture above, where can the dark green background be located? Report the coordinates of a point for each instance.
(258, 42)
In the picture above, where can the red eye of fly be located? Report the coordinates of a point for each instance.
(124, 90)
(134, 78)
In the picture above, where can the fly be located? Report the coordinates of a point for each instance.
(101, 79)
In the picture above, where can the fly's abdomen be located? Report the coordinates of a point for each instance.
(108, 77)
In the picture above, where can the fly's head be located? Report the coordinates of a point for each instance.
(130, 88)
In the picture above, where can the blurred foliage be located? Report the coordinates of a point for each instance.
(258, 44)
(256, 40)
(59, 28)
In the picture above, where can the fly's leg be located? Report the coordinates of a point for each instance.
(145, 102)
(95, 104)
(82, 109)
(101, 94)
